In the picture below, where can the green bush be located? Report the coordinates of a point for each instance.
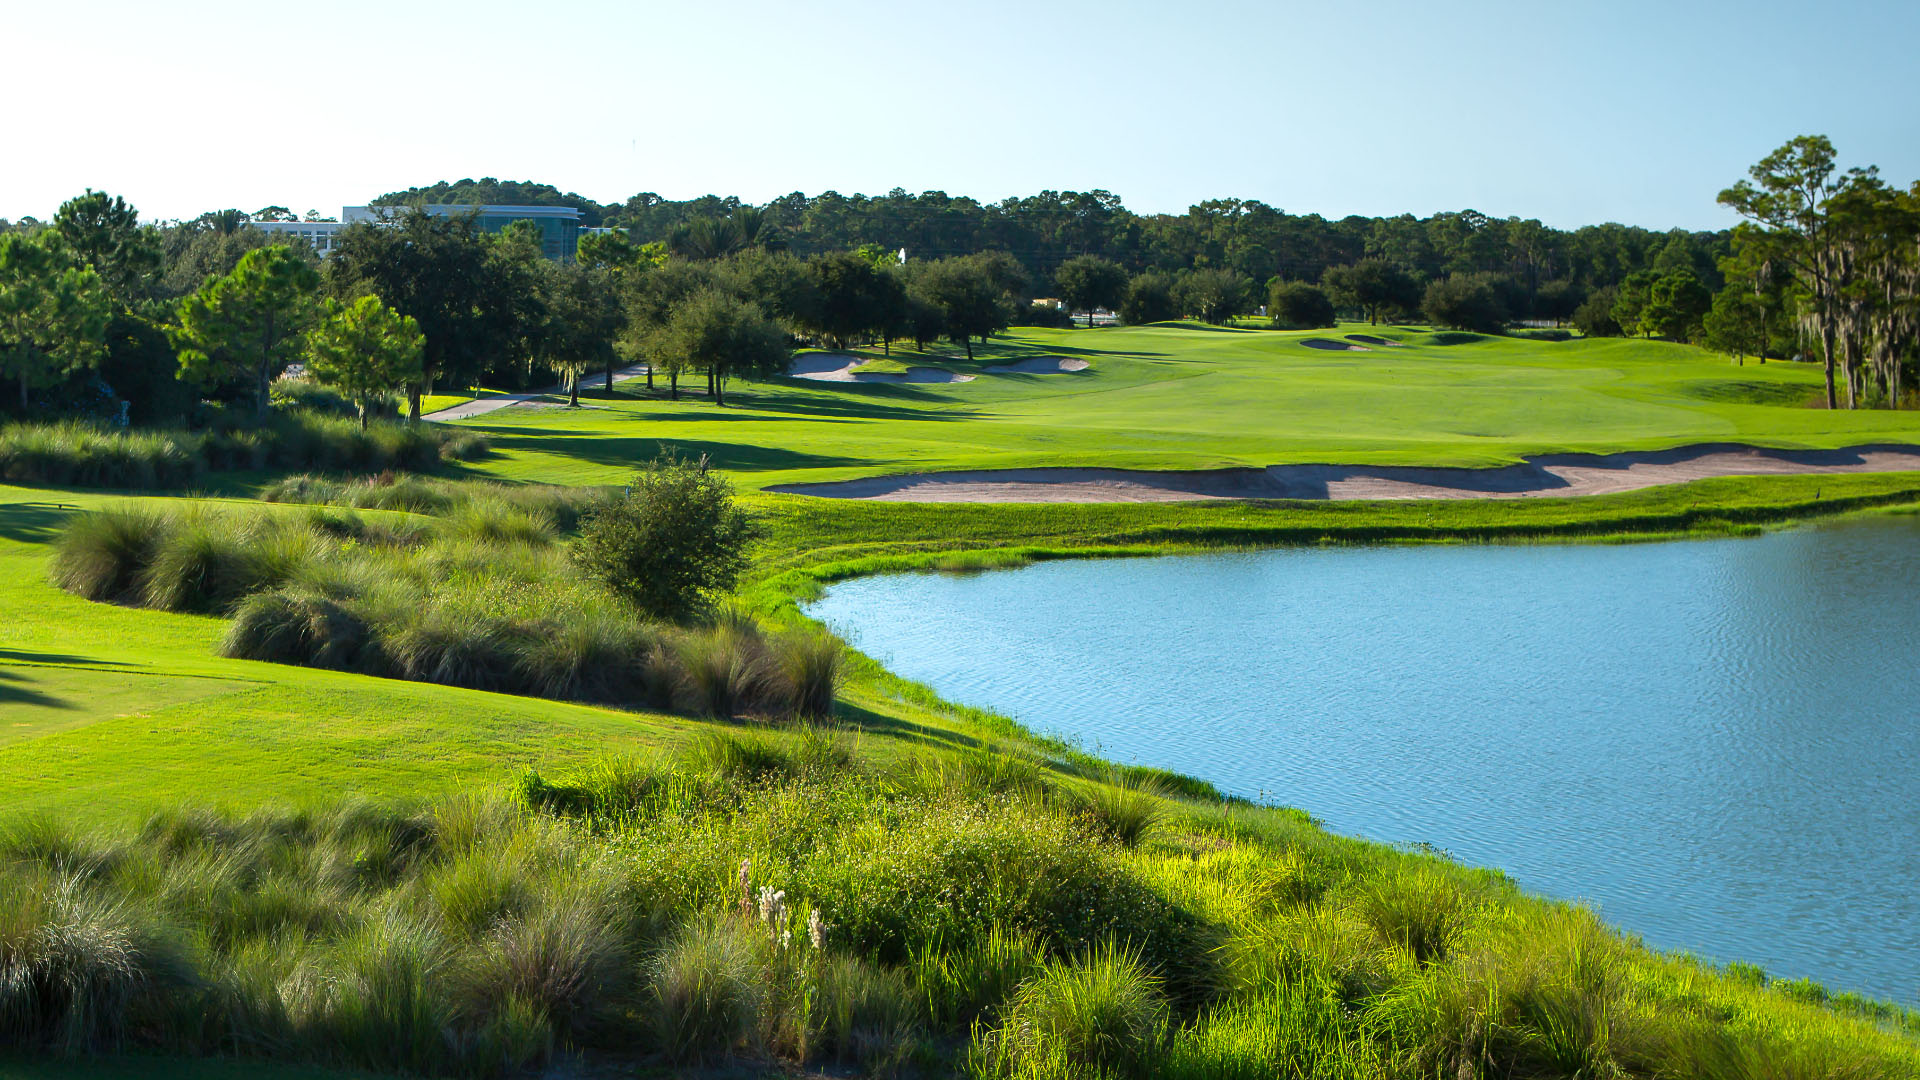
(960, 985)
(672, 542)
(865, 1015)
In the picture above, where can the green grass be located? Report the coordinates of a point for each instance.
(1278, 946)
(1172, 397)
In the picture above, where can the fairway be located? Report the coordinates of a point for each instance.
(1186, 397)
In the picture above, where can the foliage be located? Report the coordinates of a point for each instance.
(1297, 305)
(1464, 303)
(53, 312)
(1148, 299)
(249, 324)
(671, 542)
(365, 349)
(1373, 286)
(1088, 281)
(1214, 295)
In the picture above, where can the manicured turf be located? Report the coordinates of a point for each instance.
(1185, 398)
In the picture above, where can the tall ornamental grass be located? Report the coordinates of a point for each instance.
(79, 454)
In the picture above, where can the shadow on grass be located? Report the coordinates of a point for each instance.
(905, 730)
(33, 522)
(605, 449)
(12, 693)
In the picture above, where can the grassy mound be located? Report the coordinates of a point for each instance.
(777, 899)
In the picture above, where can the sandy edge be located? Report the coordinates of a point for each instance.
(1547, 475)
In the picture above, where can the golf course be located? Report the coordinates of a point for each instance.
(141, 747)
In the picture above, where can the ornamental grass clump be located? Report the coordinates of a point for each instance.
(102, 555)
(1100, 1015)
(1125, 806)
(706, 990)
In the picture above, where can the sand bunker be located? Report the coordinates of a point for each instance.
(1369, 339)
(1333, 346)
(1548, 475)
(838, 367)
(1039, 365)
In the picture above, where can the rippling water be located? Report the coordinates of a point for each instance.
(1713, 742)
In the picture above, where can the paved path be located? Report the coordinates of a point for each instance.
(483, 406)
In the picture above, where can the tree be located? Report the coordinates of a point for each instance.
(1594, 316)
(366, 350)
(1297, 305)
(1465, 302)
(105, 232)
(1676, 303)
(1088, 282)
(967, 298)
(1216, 296)
(1736, 325)
(849, 297)
(251, 323)
(672, 543)
(584, 316)
(1558, 300)
(1148, 299)
(1372, 285)
(1630, 300)
(1785, 201)
(53, 312)
(437, 270)
(719, 333)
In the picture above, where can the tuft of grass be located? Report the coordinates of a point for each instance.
(722, 669)
(1125, 806)
(101, 555)
(1419, 908)
(706, 991)
(806, 666)
(865, 1015)
(1101, 1014)
(958, 986)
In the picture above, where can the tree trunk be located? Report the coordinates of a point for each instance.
(413, 403)
(573, 391)
(720, 389)
(609, 378)
(23, 391)
(967, 340)
(1826, 338)
(363, 416)
(673, 384)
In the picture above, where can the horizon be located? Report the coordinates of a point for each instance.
(1577, 115)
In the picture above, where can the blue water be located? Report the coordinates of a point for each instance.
(1712, 742)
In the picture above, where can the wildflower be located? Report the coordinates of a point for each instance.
(773, 903)
(746, 886)
(816, 928)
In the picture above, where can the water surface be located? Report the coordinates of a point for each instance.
(1713, 742)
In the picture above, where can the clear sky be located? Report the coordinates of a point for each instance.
(1570, 111)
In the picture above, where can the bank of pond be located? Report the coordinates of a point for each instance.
(1713, 742)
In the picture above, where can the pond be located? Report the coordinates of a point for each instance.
(1714, 743)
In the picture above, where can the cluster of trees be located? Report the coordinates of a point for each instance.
(1833, 256)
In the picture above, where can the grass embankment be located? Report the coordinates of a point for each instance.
(1184, 398)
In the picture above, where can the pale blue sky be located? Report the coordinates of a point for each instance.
(1572, 112)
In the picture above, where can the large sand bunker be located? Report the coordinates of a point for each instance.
(838, 367)
(1548, 475)
(1369, 339)
(1039, 365)
(1332, 346)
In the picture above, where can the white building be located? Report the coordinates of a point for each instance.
(559, 225)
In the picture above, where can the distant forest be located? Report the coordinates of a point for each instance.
(1244, 235)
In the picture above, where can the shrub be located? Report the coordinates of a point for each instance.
(671, 543)
(100, 555)
(302, 625)
(1102, 1013)
(723, 670)
(592, 657)
(707, 990)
